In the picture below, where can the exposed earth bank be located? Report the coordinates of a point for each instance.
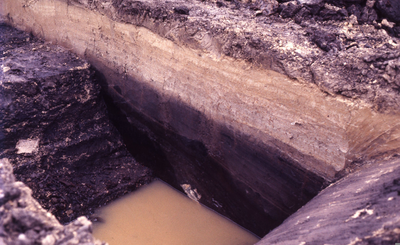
(55, 130)
(350, 48)
(257, 105)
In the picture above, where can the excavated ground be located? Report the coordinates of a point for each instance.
(348, 49)
(257, 105)
(55, 130)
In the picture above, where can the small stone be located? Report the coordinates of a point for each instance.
(368, 15)
(353, 20)
(22, 237)
(49, 240)
(309, 2)
(6, 69)
(191, 193)
(27, 146)
(387, 23)
(387, 78)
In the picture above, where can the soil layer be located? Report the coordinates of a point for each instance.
(54, 129)
(262, 101)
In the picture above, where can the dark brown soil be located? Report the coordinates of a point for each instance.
(24, 222)
(48, 94)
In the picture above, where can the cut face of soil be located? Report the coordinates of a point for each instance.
(255, 111)
(55, 130)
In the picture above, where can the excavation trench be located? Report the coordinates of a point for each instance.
(256, 184)
(254, 144)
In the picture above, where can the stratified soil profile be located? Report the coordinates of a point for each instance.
(262, 110)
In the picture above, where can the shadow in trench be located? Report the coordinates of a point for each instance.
(254, 184)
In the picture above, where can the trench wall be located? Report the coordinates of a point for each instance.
(361, 208)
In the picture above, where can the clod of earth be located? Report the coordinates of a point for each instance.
(24, 221)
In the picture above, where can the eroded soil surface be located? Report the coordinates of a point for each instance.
(55, 130)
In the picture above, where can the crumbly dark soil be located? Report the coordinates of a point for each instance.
(49, 95)
(23, 221)
(347, 48)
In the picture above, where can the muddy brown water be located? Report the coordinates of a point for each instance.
(158, 214)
